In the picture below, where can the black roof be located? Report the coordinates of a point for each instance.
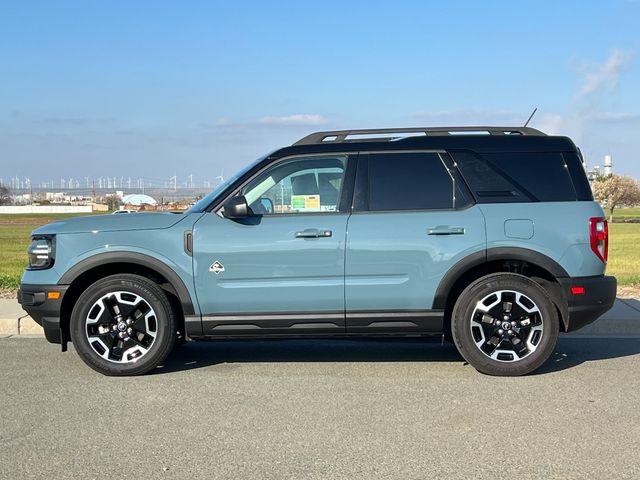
(478, 139)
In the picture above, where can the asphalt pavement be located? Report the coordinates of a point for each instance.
(352, 409)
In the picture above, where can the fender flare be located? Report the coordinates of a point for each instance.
(136, 259)
(490, 255)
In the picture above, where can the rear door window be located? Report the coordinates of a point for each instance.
(408, 181)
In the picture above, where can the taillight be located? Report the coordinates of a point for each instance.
(599, 235)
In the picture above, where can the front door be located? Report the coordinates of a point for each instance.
(280, 270)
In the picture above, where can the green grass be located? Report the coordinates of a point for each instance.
(15, 236)
(622, 214)
(624, 253)
(15, 230)
(13, 257)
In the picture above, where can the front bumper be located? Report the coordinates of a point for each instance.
(43, 307)
(584, 308)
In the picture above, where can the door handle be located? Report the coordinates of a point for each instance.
(445, 230)
(313, 233)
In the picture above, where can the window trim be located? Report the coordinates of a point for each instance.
(459, 182)
(346, 193)
(361, 187)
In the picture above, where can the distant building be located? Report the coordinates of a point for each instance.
(138, 200)
(598, 172)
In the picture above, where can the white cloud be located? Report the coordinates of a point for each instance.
(552, 123)
(605, 76)
(299, 119)
(596, 83)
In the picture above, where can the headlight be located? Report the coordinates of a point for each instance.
(41, 253)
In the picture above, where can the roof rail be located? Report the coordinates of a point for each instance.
(387, 134)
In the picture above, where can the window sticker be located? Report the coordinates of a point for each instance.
(305, 203)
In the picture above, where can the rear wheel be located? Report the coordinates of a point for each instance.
(123, 325)
(505, 324)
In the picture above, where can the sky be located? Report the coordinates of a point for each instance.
(160, 88)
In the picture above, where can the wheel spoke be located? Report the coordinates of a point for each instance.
(138, 315)
(99, 315)
(118, 349)
(111, 305)
(143, 342)
(519, 347)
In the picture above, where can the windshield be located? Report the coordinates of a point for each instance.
(204, 202)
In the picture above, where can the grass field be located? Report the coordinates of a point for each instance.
(624, 253)
(622, 214)
(15, 237)
(624, 246)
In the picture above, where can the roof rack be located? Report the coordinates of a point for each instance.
(387, 134)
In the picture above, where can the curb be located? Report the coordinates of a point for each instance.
(20, 326)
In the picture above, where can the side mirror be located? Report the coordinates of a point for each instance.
(237, 207)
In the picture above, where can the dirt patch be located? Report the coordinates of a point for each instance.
(8, 293)
(629, 291)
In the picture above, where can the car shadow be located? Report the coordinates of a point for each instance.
(206, 353)
(631, 302)
(569, 352)
(575, 350)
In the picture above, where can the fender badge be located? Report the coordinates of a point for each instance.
(216, 267)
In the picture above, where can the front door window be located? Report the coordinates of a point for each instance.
(301, 185)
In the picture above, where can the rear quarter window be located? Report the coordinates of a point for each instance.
(578, 176)
(516, 176)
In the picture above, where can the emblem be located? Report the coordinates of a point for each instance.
(216, 267)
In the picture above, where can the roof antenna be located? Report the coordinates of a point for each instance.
(530, 117)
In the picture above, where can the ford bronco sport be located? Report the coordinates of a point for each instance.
(488, 236)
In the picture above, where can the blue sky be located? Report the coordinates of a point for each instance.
(157, 88)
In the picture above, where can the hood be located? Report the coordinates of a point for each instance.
(111, 223)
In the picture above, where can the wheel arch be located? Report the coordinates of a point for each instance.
(535, 265)
(91, 269)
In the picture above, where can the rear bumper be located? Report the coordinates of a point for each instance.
(598, 297)
(35, 300)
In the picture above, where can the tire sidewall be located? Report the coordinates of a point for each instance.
(152, 294)
(466, 304)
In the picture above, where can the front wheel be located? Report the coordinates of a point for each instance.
(123, 325)
(505, 324)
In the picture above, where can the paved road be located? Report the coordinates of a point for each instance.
(321, 410)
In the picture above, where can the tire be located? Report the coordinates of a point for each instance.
(123, 325)
(505, 324)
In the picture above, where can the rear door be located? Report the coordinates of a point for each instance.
(412, 221)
